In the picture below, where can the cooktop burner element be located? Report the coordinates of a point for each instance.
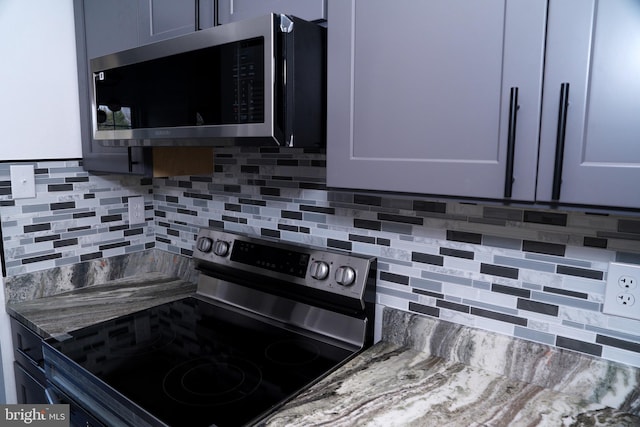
(259, 330)
(211, 382)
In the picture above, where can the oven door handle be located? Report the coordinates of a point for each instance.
(36, 363)
(77, 415)
(53, 398)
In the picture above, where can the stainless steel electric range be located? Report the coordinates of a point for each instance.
(268, 320)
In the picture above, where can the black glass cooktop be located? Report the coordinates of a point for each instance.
(191, 363)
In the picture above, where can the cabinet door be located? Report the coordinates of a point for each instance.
(593, 53)
(102, 28)
(28, 390)
(419, 95)
(108, 26)
(163, 19)
(236, 10)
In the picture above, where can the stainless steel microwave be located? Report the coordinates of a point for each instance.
(255, 82)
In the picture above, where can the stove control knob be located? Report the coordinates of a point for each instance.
(204, 244)
(319, 270)
(221, 248)
(345, 276)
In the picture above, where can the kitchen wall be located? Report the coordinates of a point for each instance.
(537, 274)
(39, 112)
(75, 217)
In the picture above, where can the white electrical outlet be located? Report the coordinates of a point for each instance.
(622, 295)
(136, 210)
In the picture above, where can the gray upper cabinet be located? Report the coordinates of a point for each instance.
(422, 99)
(164, 19)
(236, 10)
(102, 28)
(106, 27)
(435, 97)
(592, 54)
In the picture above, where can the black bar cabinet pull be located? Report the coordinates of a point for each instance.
(511, 141)
(562, 129)
(131, 161)
(197, 20)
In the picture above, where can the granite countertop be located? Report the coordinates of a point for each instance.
(425, 371)
(390, 385)
(429, 372)
(57, 315)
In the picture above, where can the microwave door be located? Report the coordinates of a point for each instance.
(215, 83)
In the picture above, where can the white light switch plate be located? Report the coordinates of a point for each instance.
(23, 181)
(622, 293)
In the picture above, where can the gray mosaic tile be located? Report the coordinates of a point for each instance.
(613, 333)
(629, 226)
(532, 286)
(524, 263)
(556, 260)
(451, 305)
(614, 235)
(577, 345)
(67, 261)
(240, 175)
(502, 242)
(446, 278)
(397, 204)
(533, 335)
(502, 213)
(66, 170)
(428, 285)
(630, 258)
(491, 307)
(313, 217)
(408, 296)
(481, 285)
(35, 208)
(500, 271)
(488, 221)
(567, 301)
(575, 325)
(390, 227)
(580, 272)
(507, 318)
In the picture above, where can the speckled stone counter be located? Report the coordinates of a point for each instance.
(45, 283)
(56, 301)
(62, 313)
(425, 372)
(428, 372)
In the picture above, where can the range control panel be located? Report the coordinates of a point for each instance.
(323, 269)
(285, 261)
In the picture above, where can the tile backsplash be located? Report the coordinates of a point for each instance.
(75, 217)
(537, 274)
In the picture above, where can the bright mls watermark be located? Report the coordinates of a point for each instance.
(34, 415)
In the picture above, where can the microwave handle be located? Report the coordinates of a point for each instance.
(286, 24)
(287, 56)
